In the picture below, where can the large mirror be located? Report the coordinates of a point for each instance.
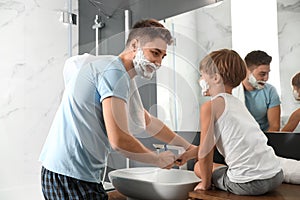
(209, 28)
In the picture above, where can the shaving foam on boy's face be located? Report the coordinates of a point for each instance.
(296, 95)
(204, 87)
(203, 82)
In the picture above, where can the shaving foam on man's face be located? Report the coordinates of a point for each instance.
(255, 83)
(148, 59)
(259, 76)
(142, 66)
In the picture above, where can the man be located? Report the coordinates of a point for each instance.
(93, 118)
(261, 98)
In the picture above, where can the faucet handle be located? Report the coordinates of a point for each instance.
(167, 147)
(160, 146)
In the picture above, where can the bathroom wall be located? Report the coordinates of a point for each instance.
(289, 51)
(112, 14)
(33, 48)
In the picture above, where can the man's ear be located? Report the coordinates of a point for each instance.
(134, 45)
(249, 71)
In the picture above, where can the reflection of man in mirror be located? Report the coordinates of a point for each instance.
(261, 98)
(295, 117)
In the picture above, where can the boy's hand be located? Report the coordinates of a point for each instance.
(190, 153)
(202, 186)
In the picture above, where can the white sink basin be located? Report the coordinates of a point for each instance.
(151, 183)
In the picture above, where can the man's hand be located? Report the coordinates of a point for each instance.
(165, 160)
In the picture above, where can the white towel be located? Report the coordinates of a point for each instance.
(290, 167)
(239, 92)
(291, 170)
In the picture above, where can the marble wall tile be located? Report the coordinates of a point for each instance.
(33, 48)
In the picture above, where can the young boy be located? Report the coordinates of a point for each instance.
(252, 167)
(295, 117)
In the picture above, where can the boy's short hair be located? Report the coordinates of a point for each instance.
(147, 30)
(228, 64)
(256, 58)
(296, 80)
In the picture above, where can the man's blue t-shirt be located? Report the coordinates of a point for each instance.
(77, 143)
(259, 101)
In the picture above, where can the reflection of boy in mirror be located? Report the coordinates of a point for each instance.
(252, 167)
(295, 117)
(261, 98)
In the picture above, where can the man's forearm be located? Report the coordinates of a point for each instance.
(163, 133)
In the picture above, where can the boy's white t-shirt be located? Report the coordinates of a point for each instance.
(242, 143)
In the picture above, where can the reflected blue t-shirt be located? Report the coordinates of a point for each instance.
(77, 142)
(259, 101)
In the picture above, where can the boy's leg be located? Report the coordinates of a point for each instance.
(219, 176)
(256, 187)
(197, 169)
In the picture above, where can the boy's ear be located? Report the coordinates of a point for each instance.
(218, 79)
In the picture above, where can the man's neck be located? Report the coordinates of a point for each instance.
(127, 57)
(247, 86)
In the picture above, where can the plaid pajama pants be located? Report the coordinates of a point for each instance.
(60, 187)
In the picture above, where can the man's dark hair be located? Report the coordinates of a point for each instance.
(147, 30)
(256, 58)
